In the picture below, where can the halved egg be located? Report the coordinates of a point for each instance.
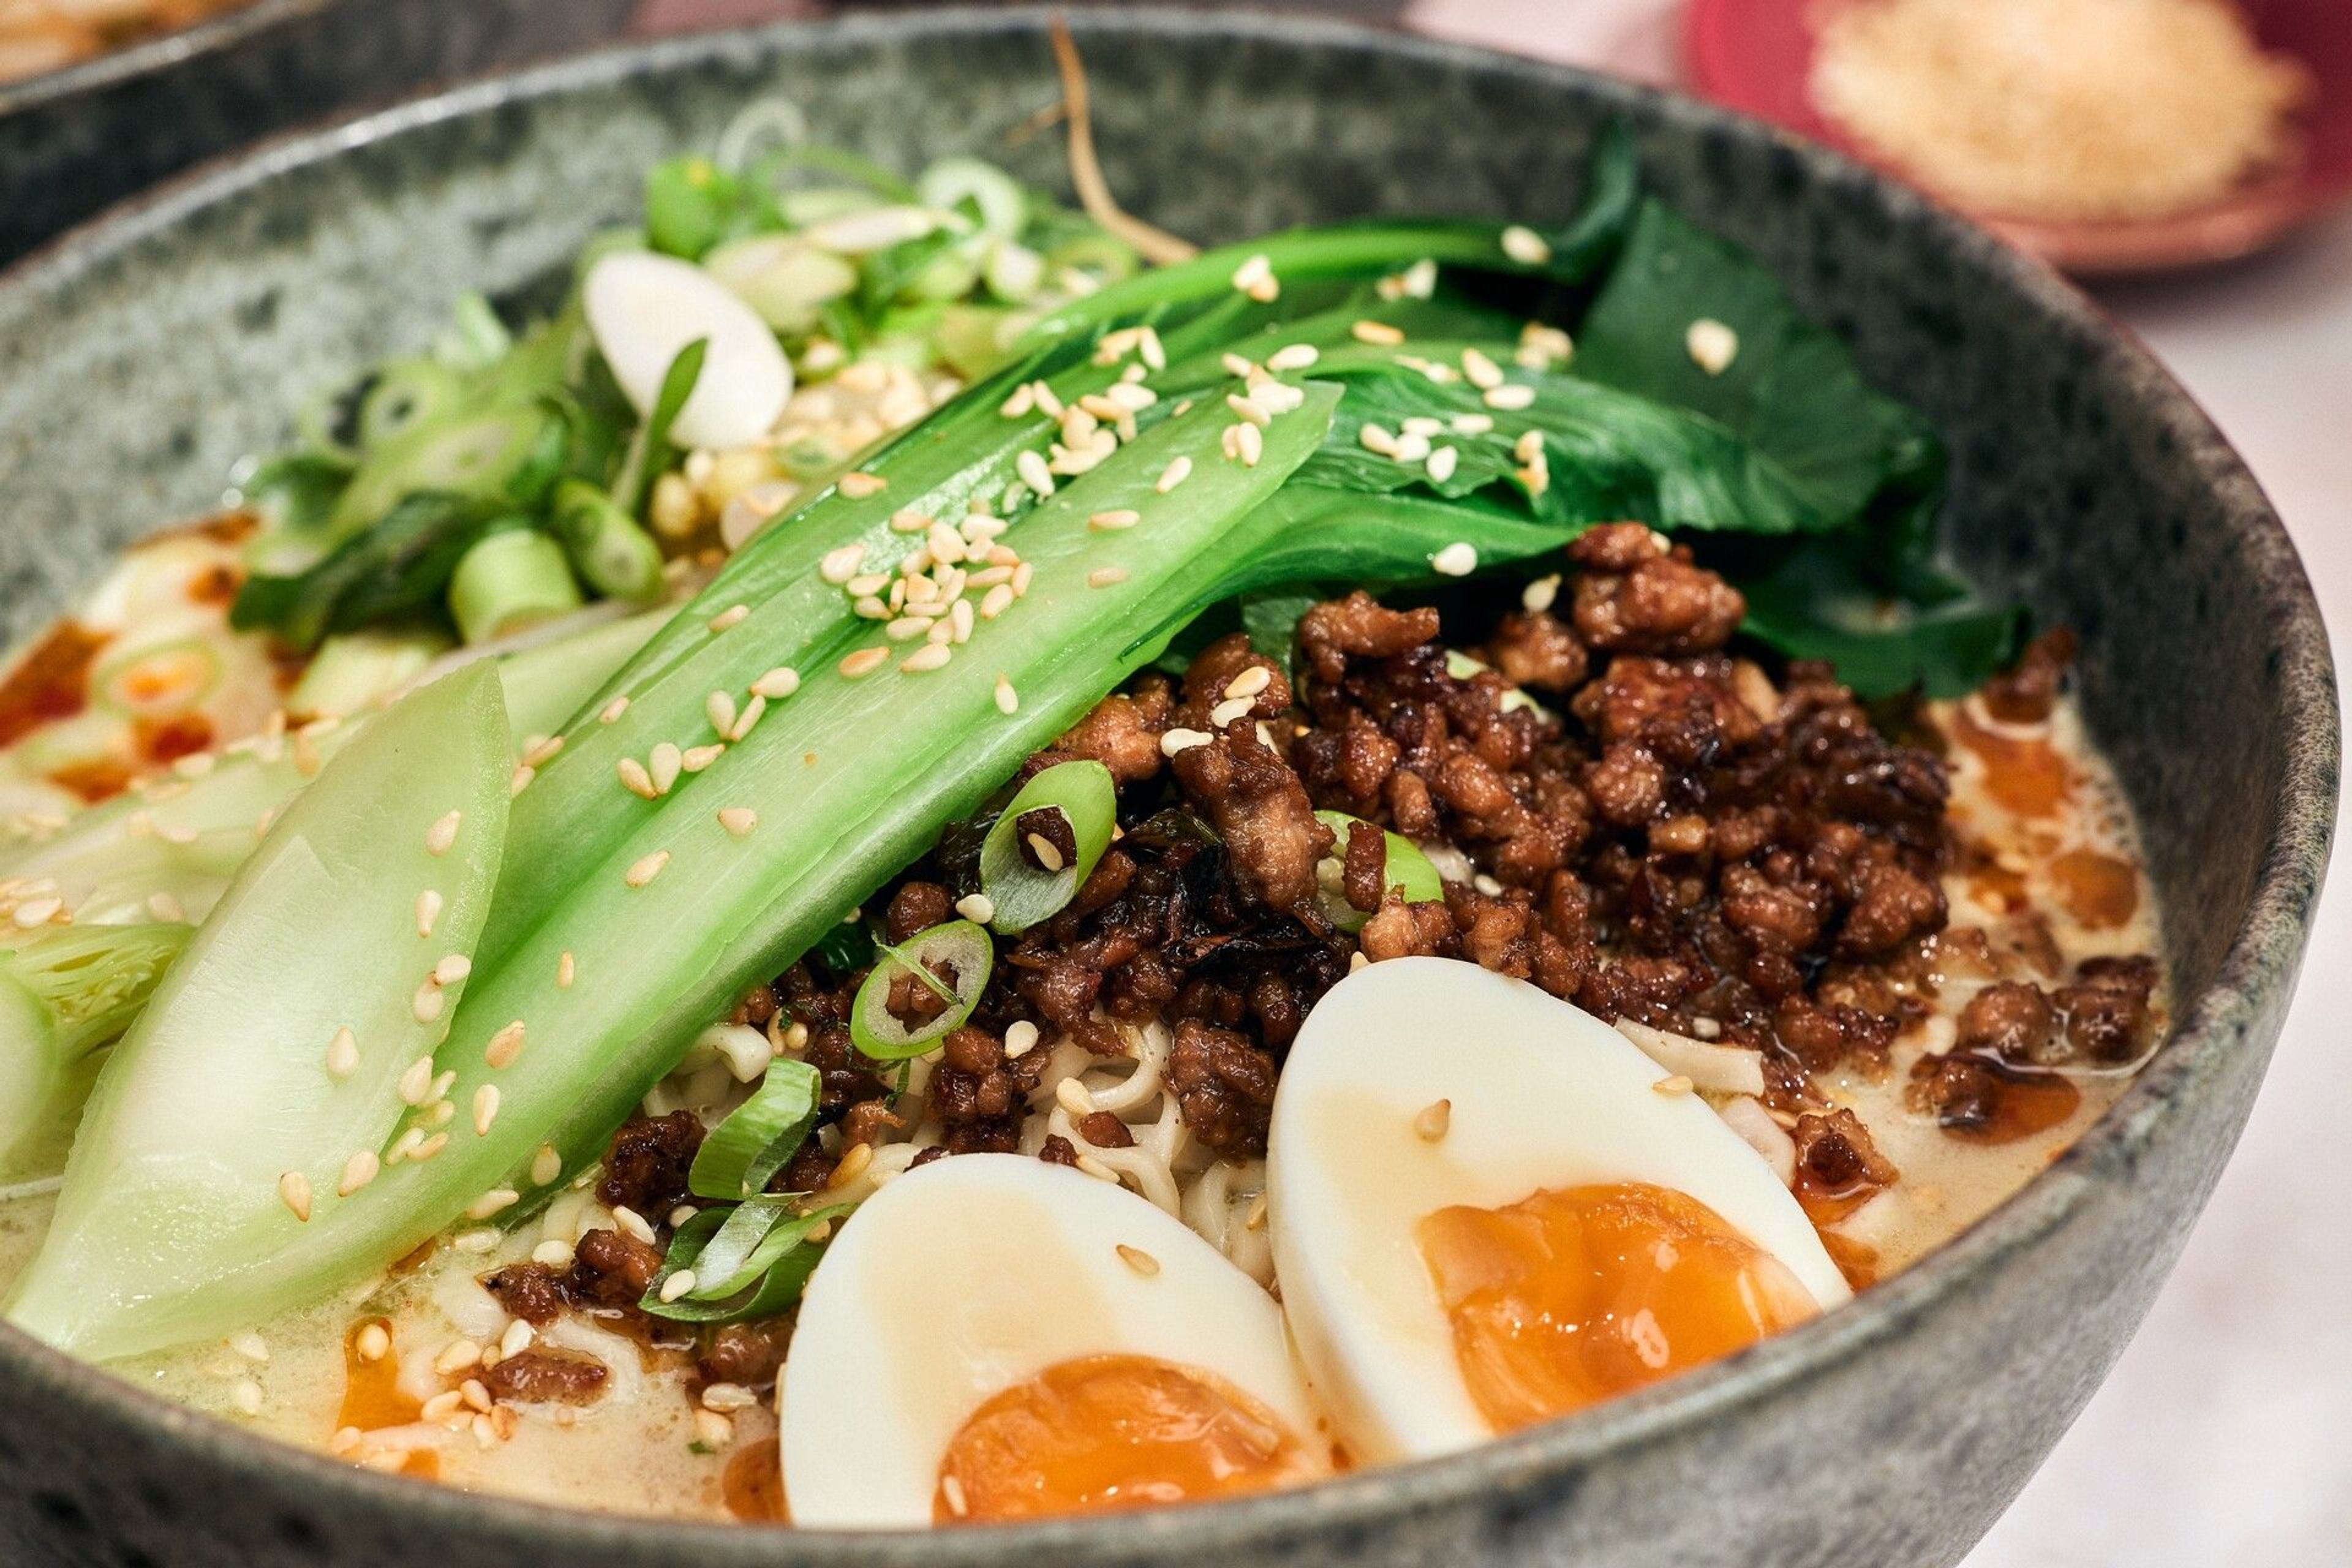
(1490, 1208)
(994, 1337)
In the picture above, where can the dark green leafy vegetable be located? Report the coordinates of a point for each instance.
(400, 567)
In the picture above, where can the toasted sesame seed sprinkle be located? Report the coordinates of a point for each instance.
(1076, 1098)
(1134, 1258)
(166, 907)
(1034, 473)
(1115, 518)
(1255, 278)
(294, 1192)
(1106, 577)
(1509, 396)
(694, 759)
(1712, 346)
(485, 1109)
(865, 662)
(1248, 409)
(1458, 559)
(725, 1398)
(374, 1342)
(1020, 1038)
(719, 707)
(632, 1224)
(566, 967)
(457, 1356)
(840, 565)
(854, 1162)
(519, 780)
(416, 1082)
(1410, 447)
(1471, 424)
(428, 910)
(1024, 399)
(443, 834)
(1525, 245)
(498, 1200)
(358, 1172)
(634, 779)
(1442, 462)
(732, 615)
(1174, 474)
(1008, 701)
(452, 968)
(1250, 681)
(506, 1043)
(546, 1166)
(739, 820)
(857, 485)
(1674, 1088)
(1435, 1118)
(1481, 372)
(246, 1396)
(1537, 596)
(929, 657)
(777, 684)
(610, 712)
(1244, 443)
(1230, 708)
(427, 1003)
(1294, 356)
(1378, 333)
(647, 869)
(342, 1054)
(543, 751)
(976, 908)
(951, 1490)
(1181, 739)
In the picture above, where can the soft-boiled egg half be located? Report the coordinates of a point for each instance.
(1490, 1208)
(994, 1337)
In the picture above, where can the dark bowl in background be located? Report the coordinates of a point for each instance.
(72, 140)
(140, 356)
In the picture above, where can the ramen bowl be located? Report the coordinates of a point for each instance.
(141, 356)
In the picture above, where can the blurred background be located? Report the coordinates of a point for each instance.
(2188, 160)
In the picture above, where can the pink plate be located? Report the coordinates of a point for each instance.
(1755, 56)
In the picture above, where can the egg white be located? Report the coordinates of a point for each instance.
(974, 1274)
(1542, 1096)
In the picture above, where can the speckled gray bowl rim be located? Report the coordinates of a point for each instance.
(2259, 960)
(153, 54)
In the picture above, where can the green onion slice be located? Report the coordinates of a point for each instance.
(649, 448)
(1026, 889)
(744, 1151)
(960, 947)
(749, 1260)
(1407, 870)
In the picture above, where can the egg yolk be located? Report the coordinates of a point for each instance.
(1567, 1297)
(1111, 1432)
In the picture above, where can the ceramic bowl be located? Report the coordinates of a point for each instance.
(141, 356)
(74, 139)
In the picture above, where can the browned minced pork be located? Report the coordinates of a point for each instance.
(647, 1163)
(745, 1353)
(1676, 836)
(1835, 1156)
(2026, 694)
(610, 1269)
(547, 1374)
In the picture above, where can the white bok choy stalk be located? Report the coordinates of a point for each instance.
(260, 1092)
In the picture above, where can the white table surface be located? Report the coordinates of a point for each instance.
(2225, 1434)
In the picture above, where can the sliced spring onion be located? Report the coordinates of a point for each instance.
(1029, 868)
(741, 1155)
(1407, 871)
(1003, 204)
(514, 452)
(750, 1260)
(508, 581)
(609, 550)
(782, 277)
(408, 395)
(649, 448)
(961, 948)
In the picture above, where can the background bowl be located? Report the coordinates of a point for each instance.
(74, 139)
(141, 357)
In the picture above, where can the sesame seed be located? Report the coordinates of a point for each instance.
(1181, 739)
(374, 1342)
(960, 621)
(505, 1046)
(1174, 474)
(853, 1165)
(929, 657)
(1076, 1098)
(1008, 701)
(945, 543)
(873, 609)
(1023, 400)
(750, 716)
(1115, 520)
(485, 1109)
(739, 820)
(452, 968)
(498, 1200)
(246, 1396)
(632, 1224)
(1255, 278)
(1249, 409)
(1525, 245)
(1458, 559)
(1047, 404)
(474, 1242)
(951, 1490)
(543, 751)
(416, 1082)
(725, 1398)
(1295, 356)
(516, 1339)
(1537, 596)
(1034, 473)
(442, 1405)
(865, 662)
(566, 967)
(1410, 447)
(405, 1145)
(1674, 1088)
(840, 565)
(554, 1254)
(858, 485)
(1442, 463)
(442, 833)
(457, 1356)
(634, 779)
(1481, 372)
(647, 869)
(1134, 1258)
(1435, 1118)
(546, 1166)
(1244, 442)
(610, 712)
(427, 1003)
(777, 684)
(1510, 397)
(732, 615)
(166, 907)
(976, 908)
(720, 709)
(358, 1172)
(1712, 346)
(697, 758)
(519, 780)
(1230, 708)
(1378, 333)
(1106, 577)
(294, 1192)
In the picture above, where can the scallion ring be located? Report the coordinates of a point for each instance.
(1046, 844)
(750, 1261)
(960, 947)
(741, 1153)
(1406, 870)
